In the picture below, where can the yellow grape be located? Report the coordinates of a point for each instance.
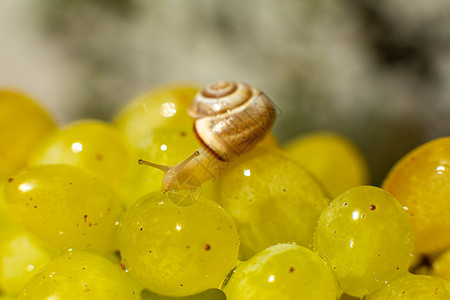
(159, 129)
(420, 181)
(65, 206)
(272, 200)
(413, 287)
(366, 237)
(334, 159)
(283, 272)
(76, 275)
(441, 265)
(23, 123)
(90, 144)
(21, 254)
(178, 251)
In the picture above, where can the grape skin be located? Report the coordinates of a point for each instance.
(366, 238)
(65, 206)
(178, 251)
(90, 144)
(23, 123)
(420, 181)
(283, 271)
(272, 199)
(76, 275)
(332, 158)
(413, 287)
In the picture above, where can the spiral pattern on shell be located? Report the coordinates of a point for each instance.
(231, 117)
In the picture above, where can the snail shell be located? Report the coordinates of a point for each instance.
(231, 117)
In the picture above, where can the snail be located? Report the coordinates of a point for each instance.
(230, 118)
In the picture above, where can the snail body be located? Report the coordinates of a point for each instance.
(230, 118)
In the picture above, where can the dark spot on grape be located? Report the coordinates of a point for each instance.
(362, 216)
(11, 179)
(379, 254)
(218, 228)
(149, 251)
(334, 268)
(284, 190)
(187, 247)
(99, 157)
(403, 292)
(183, 133)
(207, 247)
(122, 265)
(181, 285)
(398, 268)
(85, 218)
(31, 198)
(83, 268)
(335, 231)
(372, 207)
(291, 269)
(35, 206)
(140, 229)
(249, 200)
(345, 204)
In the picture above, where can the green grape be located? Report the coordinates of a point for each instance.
(441, 265)
(283, 271)
(65, 206)
(178, 251)
(90, 144)
(159, 128)
(76, 275)
(333, 159)
(211, 294)
(23, 123)
(165, 146)
(366, 238)
(272, 200)
(420, 182)
(160, 107)
(21, 254)
(413, 287)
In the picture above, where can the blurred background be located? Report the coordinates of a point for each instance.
(375, 71)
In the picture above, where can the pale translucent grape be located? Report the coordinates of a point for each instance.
(65, 206)
(79, 275)
(366, 238)
(90, 144)
(282, 272)
(21, 253)
(332, 158)
(420, 181)
(178, 251)
(23, 123)
(159, 128)
(413, 287)
(272, 200)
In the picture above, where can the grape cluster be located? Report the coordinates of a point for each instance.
(81, 219)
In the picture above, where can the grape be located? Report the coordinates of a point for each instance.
(21, 254)
(212, 294)
(90, 144)
(283, 271)
(413, 287)
(164, 146)
(178, 251)
(65, 206)
(272, 200)
(81, 275)
(420, 181)
(160, 107)
(23, 123)
(159, 128)
(333, 159)
(441, 265)
(366, 238)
